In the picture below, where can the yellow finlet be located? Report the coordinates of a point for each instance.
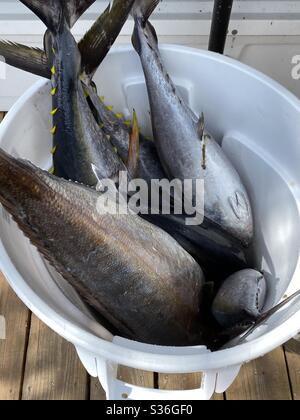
(54, 111)
(53, 150)
(53, 71)
(51, 170)
(53, 130)
(128, 123)
(102, 98)
(115, 150)
(110, 108)
(53, 50)
(108, 137)
(120, 116)
(53, 91)
(101, 125)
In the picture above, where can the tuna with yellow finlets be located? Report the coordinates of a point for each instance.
(78, 141)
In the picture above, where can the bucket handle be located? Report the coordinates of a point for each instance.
(115, 389)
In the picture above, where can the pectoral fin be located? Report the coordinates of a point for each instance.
(33, 60)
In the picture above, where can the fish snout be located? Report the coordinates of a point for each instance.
(241, 298)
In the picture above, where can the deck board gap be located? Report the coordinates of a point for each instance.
(156, 380)
(288, 373)
(27, 335)
(88, 388)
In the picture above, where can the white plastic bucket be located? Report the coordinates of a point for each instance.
(258, 123)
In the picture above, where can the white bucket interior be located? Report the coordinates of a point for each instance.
(258, 124)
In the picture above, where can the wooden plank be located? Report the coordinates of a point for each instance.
(2, 115)
(136, 377)
(53, 370)
(263, 379)
(218, 397)
(293, 363)
(12, 349)
(146, 380)
(179, 382)
(183, 382)
(96, 391)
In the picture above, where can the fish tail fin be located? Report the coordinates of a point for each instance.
(51, 12)
(97, 42)
(76, 8)
(141, 12)
(143, 9)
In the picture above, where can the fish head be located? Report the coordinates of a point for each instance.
(240, 299)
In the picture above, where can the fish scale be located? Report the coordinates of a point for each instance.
(146, 295)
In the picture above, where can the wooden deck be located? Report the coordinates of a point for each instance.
(36, 364)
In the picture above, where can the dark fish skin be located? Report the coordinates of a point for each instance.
(185, 150)
(218, 254)
(97, 42)
(134, 274)
(33, 60)
(78, 141)
(241, 298)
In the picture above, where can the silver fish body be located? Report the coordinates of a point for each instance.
(184, 152)
(78, 141)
